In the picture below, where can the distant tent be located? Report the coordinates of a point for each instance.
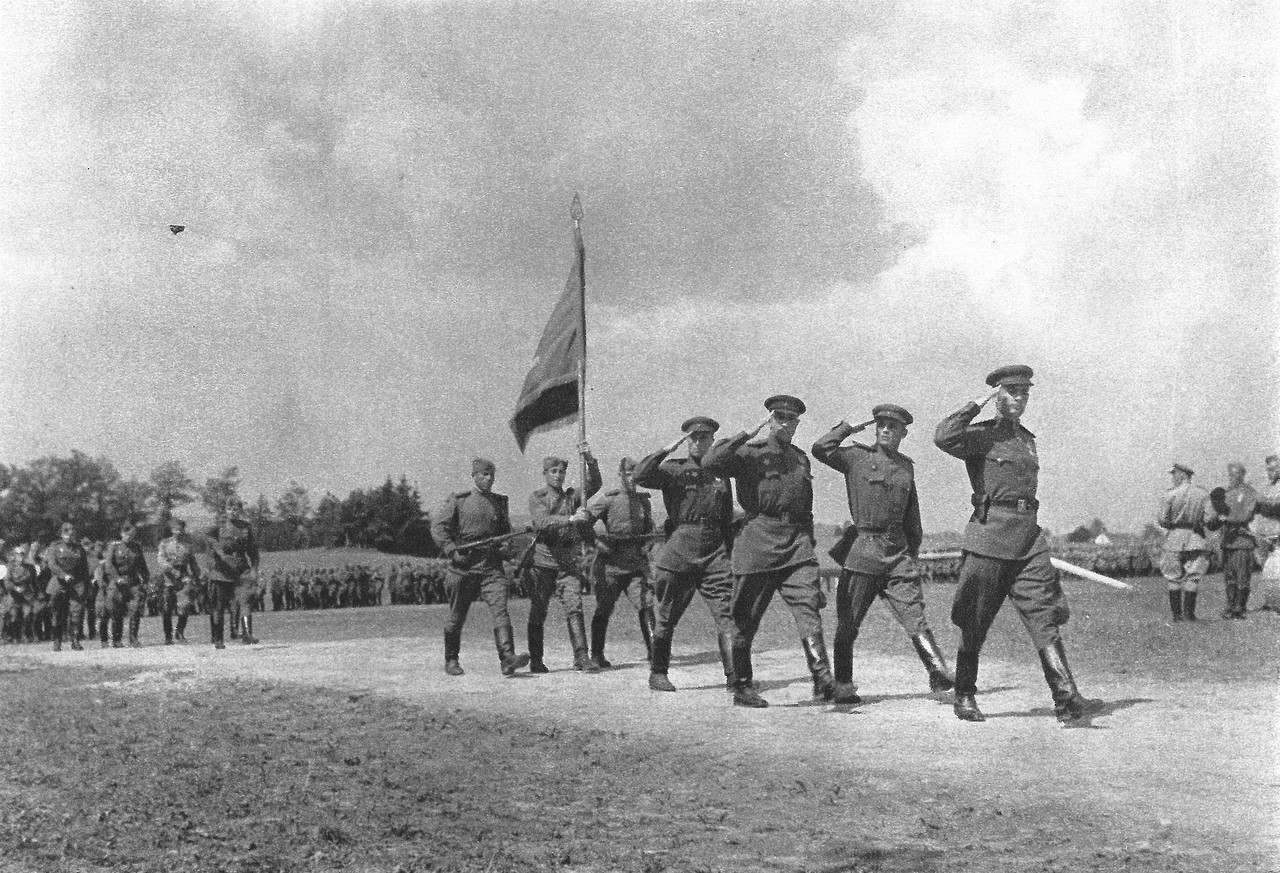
(1102, 539)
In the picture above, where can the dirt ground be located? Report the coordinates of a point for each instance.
(338, 743)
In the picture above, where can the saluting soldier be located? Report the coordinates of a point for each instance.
(180, 580)
(556, 569)
(466, 518)
(695, 557)
(68, 586)
(1184, 510)
(622, 557)
(233, 571)
(774, 550)
(878, 552)
(1006, 553)
(127, 580)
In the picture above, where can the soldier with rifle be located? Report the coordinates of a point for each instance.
(877, 554)
(1006, 553)
(180, 580)
(68, 586)
(695, 557)
(622, 557)
(472, 528)
(556, 569)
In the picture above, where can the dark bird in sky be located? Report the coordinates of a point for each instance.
(177, 228)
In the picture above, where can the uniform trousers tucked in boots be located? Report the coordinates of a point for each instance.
(225, 593)
(1033, 586)
(901, 592)
(464, 588)
(799, 588)
(566, 586)
(674, 592)
(612, 583)
(68, 613)
(1237, 573)
(126, 601)
(1184, 571)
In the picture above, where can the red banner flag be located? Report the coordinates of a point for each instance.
(549, 398)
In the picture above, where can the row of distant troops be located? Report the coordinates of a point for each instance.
(738, 567)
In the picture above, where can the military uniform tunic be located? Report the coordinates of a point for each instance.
(557, 569)
(68, 585)
(180, 574)
(127, 578)
(233, 558)
(1006, 552)
(1184, 509)
(467, 517)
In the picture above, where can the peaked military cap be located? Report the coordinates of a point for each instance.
(892, 410)
(552, 461)
(700, 422)
(1014, 374)
(482, 465)
(785, 403)
(1183, 468)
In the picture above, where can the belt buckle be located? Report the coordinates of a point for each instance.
(1022, 505)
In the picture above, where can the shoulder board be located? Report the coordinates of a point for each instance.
(863, 446)
(1027, 432)
(907, 458)
(459, 495)
(501, 498)
(612, 492)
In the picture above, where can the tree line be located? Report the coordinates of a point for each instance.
(37, 496)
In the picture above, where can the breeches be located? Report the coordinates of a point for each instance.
(674, 592)
(548, 582)
(1032, 585)
(122, 601)
(1184, 570)
(613, 583)
(1237, 567)
(463, 589)
(856, 591)
(798, 587)
(228, 592)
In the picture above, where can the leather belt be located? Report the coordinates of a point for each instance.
(1022, 504)
(788, 517)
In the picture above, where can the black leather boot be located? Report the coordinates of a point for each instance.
(659, 663)
(647, 627)
(578, 638)
(725, 642)
(102, 631)
(940, 678)
(1189, 605)
(135, 624)
(1175, 603)
(966, 705)
(117, 633)
(1242, 601)
(180, 633)
(534, 635)
(452, 648)
(1068, 704)
(166, 622)
(744, 694)
(1230, 610)
(507, 657)
(217, 626)
(815, 652)
(599, 628)
(246, 629)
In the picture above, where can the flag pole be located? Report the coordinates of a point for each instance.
(575, 212)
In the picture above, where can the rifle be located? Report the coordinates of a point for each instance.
(489, 541)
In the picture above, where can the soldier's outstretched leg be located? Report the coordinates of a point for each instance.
(578, 638)
(647, 623)
(510, 662)
(854, 595)
(599, 629)
(940, 678)
(659, 663)
(966, 704)
(1175, 603)
(1068, 703)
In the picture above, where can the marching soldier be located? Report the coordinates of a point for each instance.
(556, 567)
(774, 550)
(1184, 509)
(1006, 554)
(877, 554)
(622, 557)
(465, 528)
(180, 580)
(233, 571)
(695, 557)
(127, 579)
(68, 586)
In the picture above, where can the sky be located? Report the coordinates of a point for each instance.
(852, 203)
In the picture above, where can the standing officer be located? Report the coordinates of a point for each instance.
(19, 583)
(557, 558)
(68, 586)
(622, 557)
(467, 517)
(1235, 507)
(127, 580)
(881, 544)
(695, 556)
(1184, 509)
(773, 552)
(180, 580)
(1006, 553)
(233, 571)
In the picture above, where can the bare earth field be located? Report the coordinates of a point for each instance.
(339, 744)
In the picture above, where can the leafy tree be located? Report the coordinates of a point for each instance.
(326, 524)
(170, 487)
(217, 489)
(294, 505)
